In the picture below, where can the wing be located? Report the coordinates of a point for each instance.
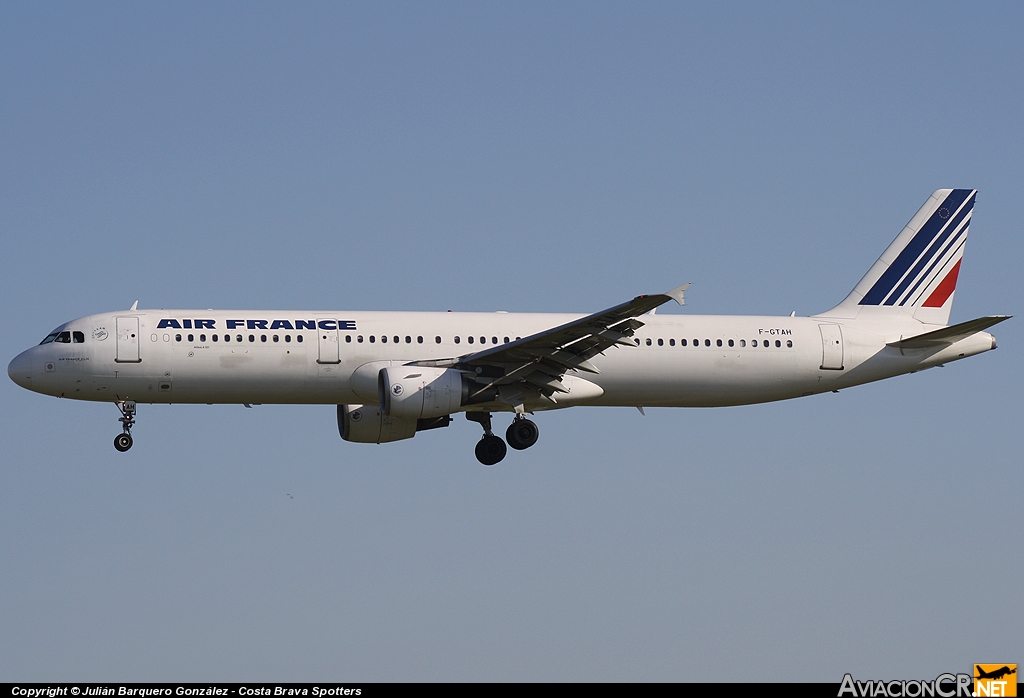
(533, 366)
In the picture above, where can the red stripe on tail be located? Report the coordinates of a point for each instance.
(944, 290)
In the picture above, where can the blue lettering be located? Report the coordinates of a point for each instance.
(305, 324)
(187, 324)
(281, 325)
(346, 324)
(256, 324)
(204, 324)
(328, 324)
(168, 323)
(232, 324)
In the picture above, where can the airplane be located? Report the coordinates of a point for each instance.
(394, 374)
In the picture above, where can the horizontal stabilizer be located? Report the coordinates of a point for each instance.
(948, 335)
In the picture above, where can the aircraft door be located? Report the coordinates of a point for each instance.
(127, 340)
(327, 341)
(831, 347)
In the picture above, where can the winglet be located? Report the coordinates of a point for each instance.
(676, 294)
(135, 306)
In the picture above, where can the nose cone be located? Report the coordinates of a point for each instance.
(20, 370)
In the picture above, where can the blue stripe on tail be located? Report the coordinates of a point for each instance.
(924, 237)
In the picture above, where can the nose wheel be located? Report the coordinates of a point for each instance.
(123, 441)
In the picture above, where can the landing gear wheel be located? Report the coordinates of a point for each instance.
(490, 449)
(521, 434)
(122, 442)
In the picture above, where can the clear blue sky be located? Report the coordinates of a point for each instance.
(523, 157)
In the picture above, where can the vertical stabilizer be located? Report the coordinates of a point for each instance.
(916, 276)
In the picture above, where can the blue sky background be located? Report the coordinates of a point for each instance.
(523, 157)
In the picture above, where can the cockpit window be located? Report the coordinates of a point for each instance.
(64, 337)
(78, 338)
(49, 338)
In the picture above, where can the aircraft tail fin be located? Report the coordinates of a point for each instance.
(916, 275)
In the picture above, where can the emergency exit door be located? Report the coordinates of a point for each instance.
(327, 341)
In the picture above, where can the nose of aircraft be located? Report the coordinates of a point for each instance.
(20, 370)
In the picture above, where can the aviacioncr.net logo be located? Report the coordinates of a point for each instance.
(943, 686)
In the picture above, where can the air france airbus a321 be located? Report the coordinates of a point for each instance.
(392, 374)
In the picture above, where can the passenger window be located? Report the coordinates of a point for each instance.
(419, 339)
(298, 338)
(731, 343)
(177, 338)
(359, 339)
(637, 340)
(396, 339)
(469, 339)
(408, 339)
(227, 338)
(263, 337)
(789, 343)
(456, 340)
(77, 338)
(215, 338)
(707, 342)
(483, 340)
(753, 342)
(648, 341)
(372, 339)
(287, 338)
(671, 342)
(494, 340)
(202, 337)
(661, 342)
(437, 340)
(743, 342)
(696, 342)
(682, 342)
(348, 338)
(383, 339)
(718, 342)
(276, 338)
(778, 343)
(238, 337)
(252, 338)
(506, 340)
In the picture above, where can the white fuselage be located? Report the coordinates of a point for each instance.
(680, 360)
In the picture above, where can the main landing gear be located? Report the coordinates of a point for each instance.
(123, 441)
(490, 449)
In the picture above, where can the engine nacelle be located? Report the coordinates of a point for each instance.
(420, 392)
(367, 424)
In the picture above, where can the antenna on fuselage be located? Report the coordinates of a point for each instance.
(135, 306)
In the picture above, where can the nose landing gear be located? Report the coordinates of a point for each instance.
(123, 441)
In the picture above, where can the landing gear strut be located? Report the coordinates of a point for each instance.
(522, 433)
(123, 441)
(490, 449)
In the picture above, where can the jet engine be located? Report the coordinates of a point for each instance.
(367, 424)
(420, 392)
